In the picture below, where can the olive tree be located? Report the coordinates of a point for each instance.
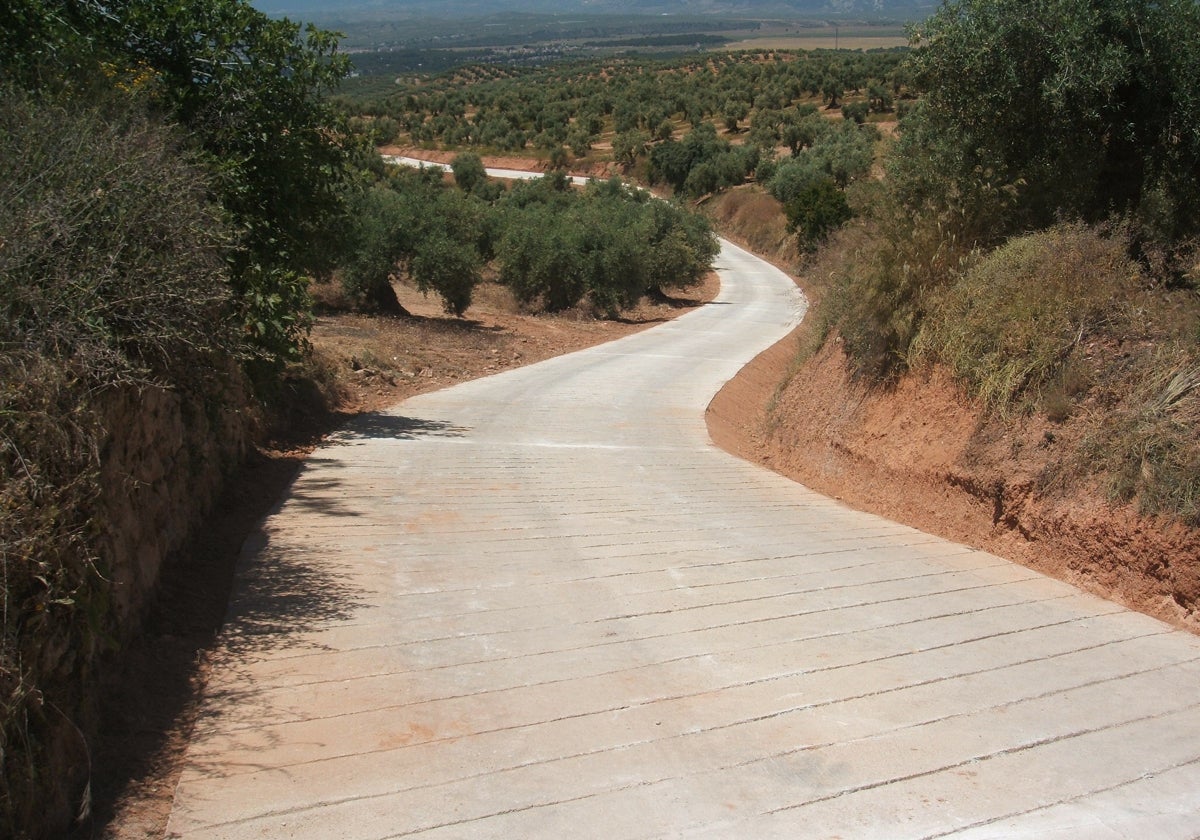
(251, 93)
(1085, 108)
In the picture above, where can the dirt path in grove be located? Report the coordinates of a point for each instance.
(591, 169)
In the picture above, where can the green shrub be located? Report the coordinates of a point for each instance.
(842, 154)
(450, 268)
(818, 209)
(701, 163)
(413, 221)
(469, 171)
(1149, 448)
(378, 219)
(856, 111)
(1088, 109)
(793, 176)
(1008, 326)
(540, 260)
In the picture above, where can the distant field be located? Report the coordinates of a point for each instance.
(822, 39)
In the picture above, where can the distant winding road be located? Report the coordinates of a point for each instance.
(544, 605)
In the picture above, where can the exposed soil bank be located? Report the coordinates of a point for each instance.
(921, 454)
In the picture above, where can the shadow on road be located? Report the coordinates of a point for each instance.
(390, 426)
(283, 594)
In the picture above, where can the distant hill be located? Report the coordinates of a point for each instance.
(326, 9)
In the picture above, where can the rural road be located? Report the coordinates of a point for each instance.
(544, 605)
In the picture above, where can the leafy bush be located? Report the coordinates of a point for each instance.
(469, 171)
(1030, 112)
(701, 163)
(818, 209)
(810, 184)
(112, 257)
(842, 154)
(412, 221)
(803, 131)
(449, 267)
(250, 93)
(856, 112)
(379, 219)
(794, 176)
(1087, 109)
(540, 260)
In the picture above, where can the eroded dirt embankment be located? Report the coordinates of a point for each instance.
(920, 454)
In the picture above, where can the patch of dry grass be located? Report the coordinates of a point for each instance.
(1149, 445)
(752, 217)
(1064, 322)
(1008, 327)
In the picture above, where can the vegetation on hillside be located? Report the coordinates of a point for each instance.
(578, 106)
(696, 125)
(1037, 229)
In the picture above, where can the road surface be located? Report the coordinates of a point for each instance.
(544, 605)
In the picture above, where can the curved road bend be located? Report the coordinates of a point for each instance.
(544, 605)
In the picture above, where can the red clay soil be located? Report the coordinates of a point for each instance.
(920, 454)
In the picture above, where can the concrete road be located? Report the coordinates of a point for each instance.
(544, 605)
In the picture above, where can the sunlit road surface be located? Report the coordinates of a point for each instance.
(544, 605)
